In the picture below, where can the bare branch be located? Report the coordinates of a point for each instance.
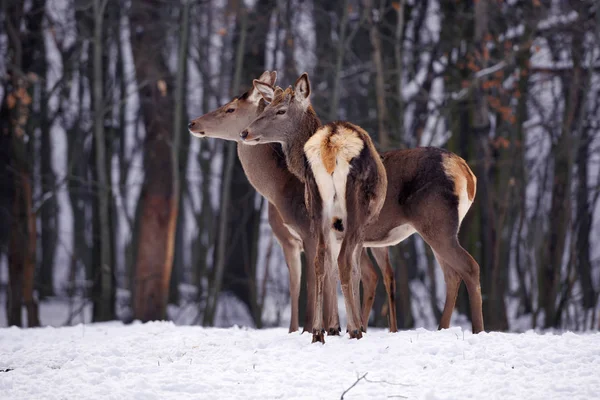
(354, 384)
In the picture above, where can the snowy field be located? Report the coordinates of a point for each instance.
(164, 361)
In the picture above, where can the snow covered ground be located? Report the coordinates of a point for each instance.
(164, 361)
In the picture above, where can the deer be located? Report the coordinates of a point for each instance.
(429, 192)
(267, 171)
(345, 186)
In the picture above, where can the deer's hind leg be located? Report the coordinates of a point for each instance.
(452, 280)
(294, 264)
(382, 257)
(292, 248)
(369, 279)
(440, 230)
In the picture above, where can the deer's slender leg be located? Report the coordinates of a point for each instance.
(369, 280)
(292, 248)
(310, 252)
(322, 251)
(452, 280)
(356, 284)
(292, 257)
(382, 257)
(461, 262)
(444, 242)
(468, 269)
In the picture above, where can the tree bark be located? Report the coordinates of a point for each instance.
(158, 204)
(560, 207)
(384, 140)
(176, 148)
(15, 126)
(230, 157)
(104, 305)
(340, 51)
(398, 49)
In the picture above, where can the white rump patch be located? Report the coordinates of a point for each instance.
(329, 157)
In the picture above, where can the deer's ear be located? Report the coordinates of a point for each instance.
(268, 77)
(302, 88)
(266, 91)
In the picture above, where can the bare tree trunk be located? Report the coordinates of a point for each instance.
(341, 48)
(49, 208)
(230, 154)
(398, 46)
(584, 216)
(158, 205)
(560, 208)
(104, 307)
(384, 140)
(176, 148)
(520, 177)
(495, 308)
(15, 115)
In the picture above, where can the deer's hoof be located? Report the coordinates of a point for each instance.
(363, 329)
(355, 334)
(334, 331)
(318, 336)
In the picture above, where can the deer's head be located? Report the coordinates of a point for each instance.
(227, 121)
(281, 118)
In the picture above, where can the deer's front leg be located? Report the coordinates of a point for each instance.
(310, 250)
(319, 261)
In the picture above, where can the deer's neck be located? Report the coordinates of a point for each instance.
(265, 167)
(294, 149)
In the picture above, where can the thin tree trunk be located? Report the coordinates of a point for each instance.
(104, 307)
(520, 175)
(584, 216)
(560, 208)
(15, 126)
(398, 46)
(180, 92)
(341, 48)
(49, 209)
(158, 205)
(230, 157)
(384, 140)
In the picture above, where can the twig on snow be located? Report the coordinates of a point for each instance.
(354, 384)
(364, 377)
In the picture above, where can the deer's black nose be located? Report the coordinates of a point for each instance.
(191, 125)
(244, 134)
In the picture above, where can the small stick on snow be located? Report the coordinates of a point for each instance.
(354, 384)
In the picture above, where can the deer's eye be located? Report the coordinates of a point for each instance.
(230, 110)
(280, 112)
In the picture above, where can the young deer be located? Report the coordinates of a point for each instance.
(345, 185)
(429, 191)
(267, 171)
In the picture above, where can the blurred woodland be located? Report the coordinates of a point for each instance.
(111, 209)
